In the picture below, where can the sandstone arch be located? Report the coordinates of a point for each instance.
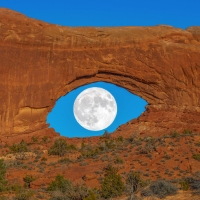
(40, 62)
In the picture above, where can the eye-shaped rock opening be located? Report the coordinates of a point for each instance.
(63, 116)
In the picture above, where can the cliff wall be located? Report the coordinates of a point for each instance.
(40, 62)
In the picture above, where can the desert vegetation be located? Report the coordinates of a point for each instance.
(60, 148)
(110, 167)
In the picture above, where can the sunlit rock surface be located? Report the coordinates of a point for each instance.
(40, 62)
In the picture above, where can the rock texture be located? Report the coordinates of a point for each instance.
(40, 62)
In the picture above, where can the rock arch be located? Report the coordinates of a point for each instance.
(40, 62)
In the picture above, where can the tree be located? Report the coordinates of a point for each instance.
(66, 190)
(59, 148)
(133, 182)
(112, 184)
(60, 184)
(28, 179)
(18, 148)
(106, 135)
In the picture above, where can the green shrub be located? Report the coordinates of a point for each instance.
(15, 187)
(83, 145)
(106, 135)
(27, 180)
(112, 184)
(197, 144)
(45, 139)
(174, 134)
(184, 184)
(65, 190)
(146, 193)
(194, 184)
(196, 157)
(60, 148)
(3, 182)
(65, 160)
(90, 152)
(187, 132)
(162, 188)
(2, 169)
(120, 139)
(60, 184)
(110, 144)
(57, 195)
(43, 159)
(24, 195)
(72, 147)
(118, 161)
(35, 139)
(92, 195)
(18, 148)
(134, 182)
(78, 192)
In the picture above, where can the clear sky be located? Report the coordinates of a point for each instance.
(62, 119)
(177, 13)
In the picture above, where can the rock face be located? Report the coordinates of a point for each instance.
(40, 62)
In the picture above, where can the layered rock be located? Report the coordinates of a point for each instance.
(40, 62)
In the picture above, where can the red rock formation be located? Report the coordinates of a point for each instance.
(40, 62)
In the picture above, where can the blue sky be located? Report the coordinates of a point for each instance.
(177, 13)
(62, 119)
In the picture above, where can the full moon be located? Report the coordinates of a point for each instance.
(95, 109)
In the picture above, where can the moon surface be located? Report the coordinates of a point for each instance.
(95, 108)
